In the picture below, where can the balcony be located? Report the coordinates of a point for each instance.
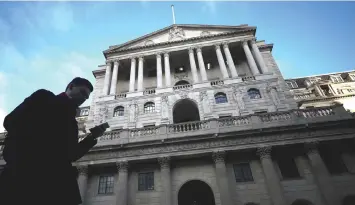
(226, 125)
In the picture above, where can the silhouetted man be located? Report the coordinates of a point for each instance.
(41, 144)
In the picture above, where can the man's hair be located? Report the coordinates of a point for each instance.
(81, 82)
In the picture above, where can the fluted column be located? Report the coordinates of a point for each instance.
(259, 57)
(221, 63)
(167, 70)
(231, 65)
(107, 78)
(159, 72)
(132, 77)
(166, 180)
(121, 191)
(140, 74)
(322, 175)
(271, 177)
(222, 177)
(201, 64)
(193, 65)
(82, 181)
(250, 59)
(114, 78)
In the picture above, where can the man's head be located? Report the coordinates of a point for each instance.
(78, 90)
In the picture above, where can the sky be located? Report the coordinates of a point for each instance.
(46, 44)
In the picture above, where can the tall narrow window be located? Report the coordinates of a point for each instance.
(242, 172)
(118, 111)
(106, 184)
(146, 181)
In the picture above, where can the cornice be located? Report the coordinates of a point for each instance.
(157, 45)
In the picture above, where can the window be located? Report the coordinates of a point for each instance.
(149, 107)
(106, 184)
(242, 172)
(118, 111)
(146, 181)
(220, 98)
(291, 84)
(84, 112)
(288, 168)
(254, 93)
(336, 78)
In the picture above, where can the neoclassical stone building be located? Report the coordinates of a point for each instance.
(325, 90)
(201, 115)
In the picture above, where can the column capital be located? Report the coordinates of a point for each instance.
(83, 169)
(122, 166)
(164, 162)
(218, 156)
(166, 54)
(217, 46)
(311, 146)
(264, 152)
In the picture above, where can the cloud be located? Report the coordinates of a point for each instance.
(210, 6)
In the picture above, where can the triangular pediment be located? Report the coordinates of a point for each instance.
(177, 32)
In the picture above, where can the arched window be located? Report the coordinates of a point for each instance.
(254, 93)
(220, 98)
(149, 107)
(118, 111)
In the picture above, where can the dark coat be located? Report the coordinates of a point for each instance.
(42, 143)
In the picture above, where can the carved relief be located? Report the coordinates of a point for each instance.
(176, 33)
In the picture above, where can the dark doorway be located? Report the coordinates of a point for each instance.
(195, 192)
(185, 111)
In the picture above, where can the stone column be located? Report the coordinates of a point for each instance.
(231, 65)
(82, 181)
(107, 78)
(166, 180)
(140, 74)
(122, 184)
(221, 63)
(321, 174)
(193, 65)
(250, 59)
(167, 70)
(222, 177)
(132, 78)
(159, 72)
(271, 177)
(114, 78)
(259, 57)
(201, 64)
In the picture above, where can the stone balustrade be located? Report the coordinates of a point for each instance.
(149, 91)
(181, 87)
(217, 82)
(224, 125)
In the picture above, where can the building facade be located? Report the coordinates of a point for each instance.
(201, 115)
(325, 90)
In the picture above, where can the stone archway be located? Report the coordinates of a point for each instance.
(185, 110)
(195, 192)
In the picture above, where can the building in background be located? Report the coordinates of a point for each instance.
(324, 90)
(201, 115)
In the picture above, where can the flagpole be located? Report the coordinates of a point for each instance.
(172, 9)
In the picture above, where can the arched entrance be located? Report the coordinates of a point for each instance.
(185, 111)
(195, 192)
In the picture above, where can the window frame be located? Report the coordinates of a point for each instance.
(107, 184)
(245, 177)
(218, 96)
(149, 107)
(254, 94)
(116, 110)
(148, 177)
